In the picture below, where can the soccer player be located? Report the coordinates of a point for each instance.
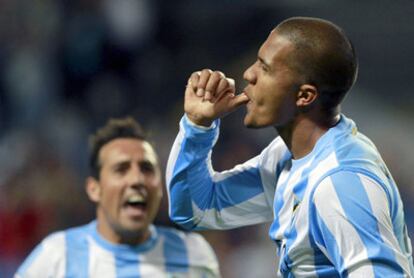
(125, 184)
(335, 207)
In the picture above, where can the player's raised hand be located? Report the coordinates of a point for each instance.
(210, 95)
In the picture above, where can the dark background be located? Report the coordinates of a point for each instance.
(68, 66)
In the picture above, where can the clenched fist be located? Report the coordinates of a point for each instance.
(210, 95)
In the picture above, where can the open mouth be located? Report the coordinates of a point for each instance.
(135, 204)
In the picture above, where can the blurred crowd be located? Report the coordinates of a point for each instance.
(66, 67)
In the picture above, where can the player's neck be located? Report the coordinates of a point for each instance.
(301, 135)
(122, 237)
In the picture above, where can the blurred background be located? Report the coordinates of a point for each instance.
(66, 67)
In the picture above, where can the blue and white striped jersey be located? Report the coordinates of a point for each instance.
(336, 212)
(82, 252)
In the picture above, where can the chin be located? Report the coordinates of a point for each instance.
(252, 124)
(248, 122)
(134, 232)
(134, 227)
(133, 236)
(138, 227)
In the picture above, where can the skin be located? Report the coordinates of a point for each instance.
(272, 86)
(129, 167)
(276, 95)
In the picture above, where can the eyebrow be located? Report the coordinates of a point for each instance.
(128, 161)
(263, 61)
(121, 162)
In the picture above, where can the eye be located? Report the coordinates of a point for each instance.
(147, 167)
(263, 66)
(122, 168)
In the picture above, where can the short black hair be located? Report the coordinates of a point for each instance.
(113, 129)
(323, 55)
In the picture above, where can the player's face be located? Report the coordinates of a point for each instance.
(130, 188)
(272, 85)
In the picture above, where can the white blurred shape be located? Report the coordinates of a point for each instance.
(130, 21)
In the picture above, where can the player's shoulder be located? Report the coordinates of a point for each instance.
(54, 240)
(189, 248)
(170, 232)
(347, 185)
(59, 239)
(275, 152)
(46, 257)
(81, 230)
(277, 144)
(192, 241)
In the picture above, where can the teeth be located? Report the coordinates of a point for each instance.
(136, 199)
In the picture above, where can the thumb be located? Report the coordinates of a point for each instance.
(239, 100)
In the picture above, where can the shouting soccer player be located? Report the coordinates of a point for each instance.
(335, 208)
(125, 183)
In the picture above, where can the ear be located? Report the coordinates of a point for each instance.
(93, 189)
(306, 96)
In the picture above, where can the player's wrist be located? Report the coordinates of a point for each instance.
(200, 121)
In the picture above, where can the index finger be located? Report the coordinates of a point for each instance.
(194, 78)
(202, 82)
(226, 85)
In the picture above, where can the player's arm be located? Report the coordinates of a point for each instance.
(352, 225)
(200, 197)
(45, 260)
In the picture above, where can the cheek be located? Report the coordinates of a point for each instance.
(274, 107)
(267, 91)
(154, 181)
(286, 110)
(269, 101)
(155, 189)
(110, 190)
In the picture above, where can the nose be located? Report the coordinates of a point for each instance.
(136, 177)
(249, 74)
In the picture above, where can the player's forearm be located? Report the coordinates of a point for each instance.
(188, 179)
(202, 198)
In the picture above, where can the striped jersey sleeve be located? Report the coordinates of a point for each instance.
(202, 198)
(47, 258)
(353, 226)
